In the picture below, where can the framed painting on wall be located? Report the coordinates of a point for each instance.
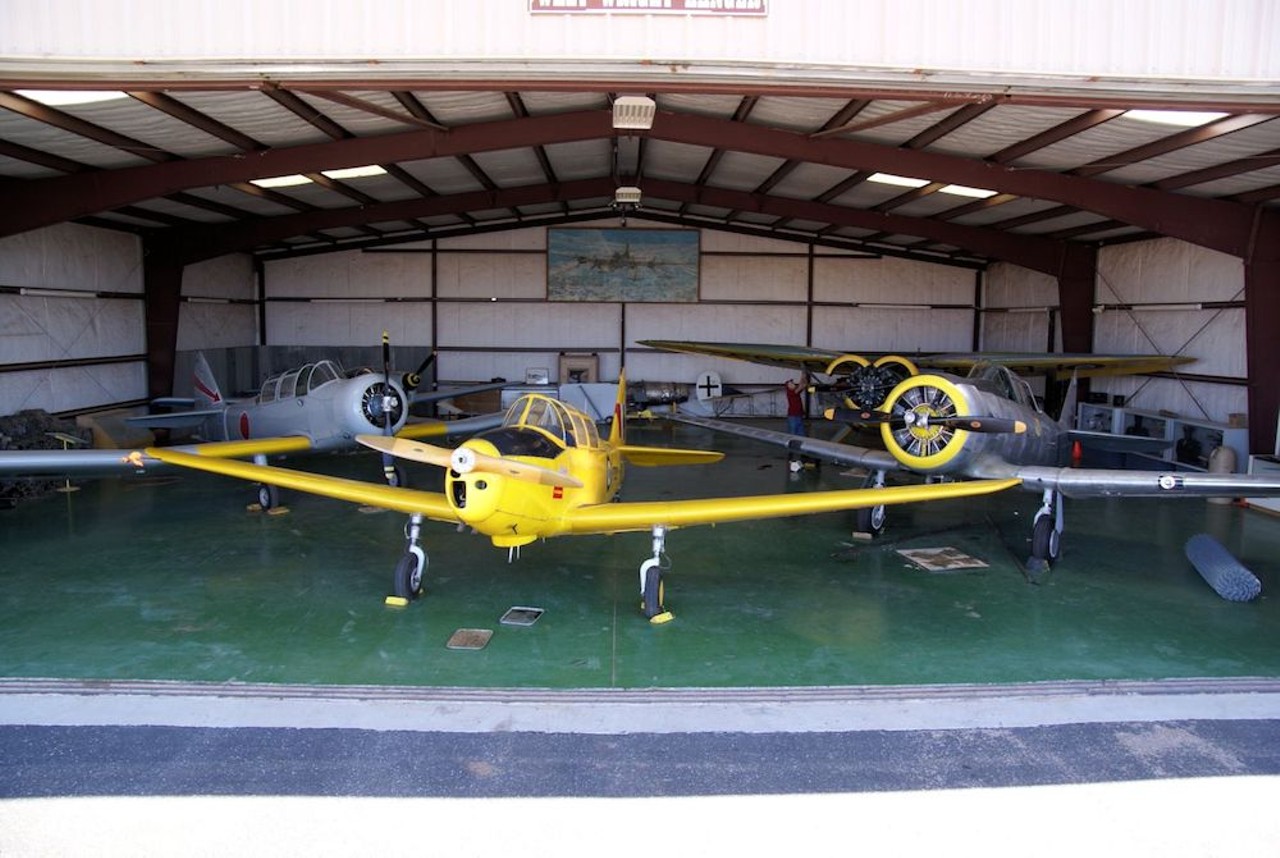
(640, 265)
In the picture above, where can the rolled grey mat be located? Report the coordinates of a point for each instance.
(1225, 574)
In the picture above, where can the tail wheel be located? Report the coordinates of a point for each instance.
(912, 436)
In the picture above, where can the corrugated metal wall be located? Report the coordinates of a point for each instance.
(1086, 44)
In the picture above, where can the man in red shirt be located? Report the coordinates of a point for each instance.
(795, 406)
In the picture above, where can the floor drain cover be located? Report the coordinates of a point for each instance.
(520, 616)
(469, 639)
(941, 559)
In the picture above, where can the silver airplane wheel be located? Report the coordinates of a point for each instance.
(870, 519)
(1046, 541)
(408, 577)
(268, 497)
(653, 593)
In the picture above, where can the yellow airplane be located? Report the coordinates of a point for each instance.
(547, 472)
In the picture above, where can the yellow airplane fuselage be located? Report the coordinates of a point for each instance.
(514, 512)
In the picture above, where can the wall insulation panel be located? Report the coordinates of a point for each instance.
(1034, 296)
(73, 388)
(350, 274)
(492, 275)
(843, 279)
(291, 323)
(859, 329)
(71, 256)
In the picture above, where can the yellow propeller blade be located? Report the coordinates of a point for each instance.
(464, 460)
(405, 448)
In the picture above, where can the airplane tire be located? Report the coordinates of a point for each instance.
(408, 577)
(870, 519)
(268, 497)
(653, 593)
(1045, 539)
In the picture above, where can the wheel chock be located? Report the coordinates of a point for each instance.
(396, 601)
(664, 617)
(278, 510)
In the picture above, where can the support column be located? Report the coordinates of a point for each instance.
(1077, 276)
(162, 287)
(1262, 330)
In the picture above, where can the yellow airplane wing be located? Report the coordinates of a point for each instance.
(1023, 363)
(252, 447)
(643, 515)
(647, 456)
(433, 505)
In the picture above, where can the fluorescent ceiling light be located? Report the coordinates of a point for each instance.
(355, 172)
(64, 97)
(627, 195)
(966, 191)
(901, 181)
(297, 179)
(280, 181)
(1184, 118)
(633, 111)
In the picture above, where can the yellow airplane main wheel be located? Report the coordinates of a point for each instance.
(654, 590)
(408, 577)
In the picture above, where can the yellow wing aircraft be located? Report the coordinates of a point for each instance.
(547, 472)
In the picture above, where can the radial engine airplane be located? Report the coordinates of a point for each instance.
(547, 472)
(988, 425)
(864, 381)
(314, 408)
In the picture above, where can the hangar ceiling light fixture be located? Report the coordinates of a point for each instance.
(1181, 118)
(299, 179)
(634, 111)
(66, 97)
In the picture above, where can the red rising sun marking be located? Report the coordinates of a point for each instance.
(244, 425)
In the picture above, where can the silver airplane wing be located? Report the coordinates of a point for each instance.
(76, 463)
(1071, 482)
(800, 445)
(439, 395)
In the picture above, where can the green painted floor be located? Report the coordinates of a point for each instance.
(172, 579)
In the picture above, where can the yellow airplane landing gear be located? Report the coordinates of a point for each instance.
(407, 580)
(652, 587)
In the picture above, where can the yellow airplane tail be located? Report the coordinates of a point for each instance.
(618, 428)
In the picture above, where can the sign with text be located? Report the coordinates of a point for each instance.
(654, 7)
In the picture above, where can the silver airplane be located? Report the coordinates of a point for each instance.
(310, 409)
(989, 425)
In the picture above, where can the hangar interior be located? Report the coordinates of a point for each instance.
(189, 211)
(841, 182)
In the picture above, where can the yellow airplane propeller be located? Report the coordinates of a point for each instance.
(466, 459)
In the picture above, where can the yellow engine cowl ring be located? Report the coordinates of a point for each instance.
(925, 446)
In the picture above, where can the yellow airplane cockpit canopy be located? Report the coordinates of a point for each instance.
(565, 426)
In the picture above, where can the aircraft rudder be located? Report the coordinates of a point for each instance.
(618, 427)
(207, 393)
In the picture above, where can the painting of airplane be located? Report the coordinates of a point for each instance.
(988, 425)
(546, 472)
(310, 409)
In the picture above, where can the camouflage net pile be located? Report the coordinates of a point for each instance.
(29, 430)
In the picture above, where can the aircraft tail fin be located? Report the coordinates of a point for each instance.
(206, 386)
(1067, 417)
(618, 428)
